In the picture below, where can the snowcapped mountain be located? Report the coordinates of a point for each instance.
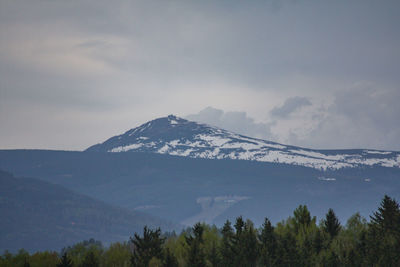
(176, 136)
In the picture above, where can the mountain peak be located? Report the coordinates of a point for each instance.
(173, 117)
(176, 136)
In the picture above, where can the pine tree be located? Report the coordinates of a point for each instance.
(65, 261)
(239, 225)
(227, 252)
(331, 224)
(384, 234)
(196, 255)
(245, 244)
(249, 244)
(237, 243)
(387, 218)
(147, 247)
(268, 244)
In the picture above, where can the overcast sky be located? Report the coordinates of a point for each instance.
(319, 74)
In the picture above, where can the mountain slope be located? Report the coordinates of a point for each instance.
(176, 136)
(186, 189)
(37, 215)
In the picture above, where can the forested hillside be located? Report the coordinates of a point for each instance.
(297, 241)
(187, 190)
(37, 215)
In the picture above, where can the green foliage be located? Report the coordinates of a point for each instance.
(383, 238)
(387, 218)
(350, 244)
(117, 255)
(245, 243)
(227, 253)
(170, 259)
(84, 251)
(65, 261)
(296, 241)
(196, 255)
(90, 260)
(302, 218)
(331, 224)
(268, 244)
(147, 247)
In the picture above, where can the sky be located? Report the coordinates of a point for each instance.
(317, 74)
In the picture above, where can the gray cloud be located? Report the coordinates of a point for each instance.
(252, 44)
(131, 61)
(291, 105)
(363, 116)
(238, 122)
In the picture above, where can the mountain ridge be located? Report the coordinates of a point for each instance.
(180, 137)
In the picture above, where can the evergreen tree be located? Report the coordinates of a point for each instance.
(245, 244)
(383, 241)
(302, 218)
(196, 255)
(147, 247)
(65, 261)
(213, 256)
(239, 224)
(268, 244)
(331, 224)
(249, 244)
(237, 245)
(387, 218)
(227, 252)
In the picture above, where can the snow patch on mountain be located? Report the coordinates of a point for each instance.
(125, 148)
(179, 137)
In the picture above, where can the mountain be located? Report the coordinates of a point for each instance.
(37, 215)
(176, 136)
(186, 172)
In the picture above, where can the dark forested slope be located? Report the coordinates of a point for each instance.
(37, 215)
(189, 190)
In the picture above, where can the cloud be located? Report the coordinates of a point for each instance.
(291, 105)
(132, 61)
(235, 121)
(365, 115)
(361, 116)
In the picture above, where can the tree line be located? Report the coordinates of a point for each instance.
(297, 241)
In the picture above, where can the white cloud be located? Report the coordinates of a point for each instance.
(238, 122)
(361, 116)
